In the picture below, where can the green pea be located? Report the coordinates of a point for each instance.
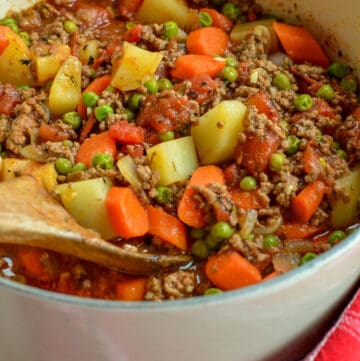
(212, 291)
(230, 74)
(129, 25)
(205, 19)
(89, 99)
(342, 154)
(67, 143)
(248, 183)
(166, 136)
(231, 10)
(23, 87)
(200, 249)
(349, 84)
(73, 119)
(282, 81)
(221, 231)
(285, 124)
(336, 237)
(277, 161)
(152, 86)
(198, 233)
(170, 29)
(270, 240)
(230, 61)
(337, 70)
(130, 115)
(307, 257)
(79, 167)
(63, 166)
(26, 37)
(326, 92)
(303, 102)
(110, 89)
(103, 160)
(293, 144)
(134, 101)
(10, 23)
(165, 84)
(164, 194)
(70, 27)
(337, 145)
(4, 154)
(102, 112)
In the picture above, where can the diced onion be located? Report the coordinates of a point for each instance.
(278, 58)
(272, 226)
(248, 222)
(299, 246)
(284, 262)
(34, 153)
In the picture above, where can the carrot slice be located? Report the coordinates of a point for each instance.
(127, 133)
(207, 41)
(300, 45)
(190, 65)
(297, 230)
(246, 200)
(87, 128)
(48, 132)
(131, 289)
(167, 228)
(4, 41)
(30, 259)
(219, 20)
(97, 86)
(100, 143)
(188, 209)
(304, 205)
(127, 215)
(229, 271)
(311, 160)
(270, 276)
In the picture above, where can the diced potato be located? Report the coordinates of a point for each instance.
(47, 66)
(215, 135)
(175, 160)
(47, 175)
(160, 11)
(89, 51)
(344, 214)
(135, 67)
(85, 200)
(240, 31)
(127, 168)
(15, 60)
(65, 91)
(12, 168)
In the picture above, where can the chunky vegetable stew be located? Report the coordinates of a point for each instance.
(204, 127)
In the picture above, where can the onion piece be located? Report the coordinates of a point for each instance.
(278, 58)
(272, 225)
(299, 246)
(34, 153)
(127, 168)
(248, 222)
(285, 262)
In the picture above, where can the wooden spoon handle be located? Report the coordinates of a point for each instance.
(30, 216)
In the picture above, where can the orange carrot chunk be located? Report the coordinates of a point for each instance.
(219, 20)
(270, 276)
(167, 227)
(190, 65)
(262, 102)
(300, 45)
(246, 199)
(48, 132)
(229, 271)
(127, 133)
(100, 143)
(188, 209)
(312, 160)
(127, 215)
(304, 205)
(297, 230)
(97, 86)
(131, 289)
(207, 41)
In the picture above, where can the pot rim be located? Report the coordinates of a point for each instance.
(265, 288)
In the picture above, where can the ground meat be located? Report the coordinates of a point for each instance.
(348, 135)
(176, 285)
(151, 37)
(4, 128)
(9, 98)
(58, 149)
(285, 187)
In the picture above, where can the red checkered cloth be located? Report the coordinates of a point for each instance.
(342, 342)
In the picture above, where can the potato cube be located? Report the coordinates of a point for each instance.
(215, 135)
(175, 160)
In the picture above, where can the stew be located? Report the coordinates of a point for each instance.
(205, 127)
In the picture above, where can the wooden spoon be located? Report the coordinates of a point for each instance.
(30, 216)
